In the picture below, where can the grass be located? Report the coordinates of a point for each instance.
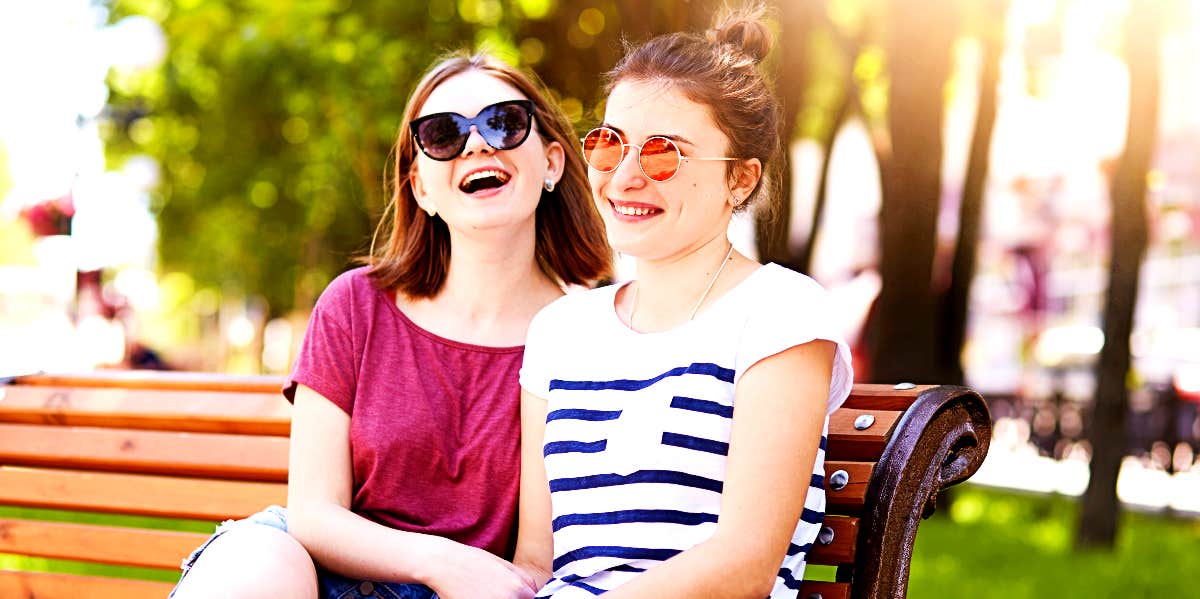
(992, 543)
(1004, 544)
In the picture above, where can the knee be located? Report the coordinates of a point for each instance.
(251, 562)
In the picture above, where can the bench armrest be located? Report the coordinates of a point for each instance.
(940, 440)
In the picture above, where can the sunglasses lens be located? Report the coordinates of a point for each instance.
(659, 158)
(603, 149)
(504, 126)
(443, 137)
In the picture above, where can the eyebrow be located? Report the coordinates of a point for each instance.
(670, 136)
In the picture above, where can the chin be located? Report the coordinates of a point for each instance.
(636, 248)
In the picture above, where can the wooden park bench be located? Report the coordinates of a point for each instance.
(213, 447)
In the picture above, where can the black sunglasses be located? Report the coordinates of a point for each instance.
(503, 125)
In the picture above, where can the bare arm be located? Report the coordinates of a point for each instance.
(319, 516)
(535, 545)
(777, 424)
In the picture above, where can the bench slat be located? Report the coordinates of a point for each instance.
(883, 397)
(184, 454)
(848, 443)
(157, 379)
(194, 411)
(851, 497)
(845, 540)
(146, 495)
(47, 585)
(99, 544)
(812, 589)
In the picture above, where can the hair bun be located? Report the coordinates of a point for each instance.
(744, 29)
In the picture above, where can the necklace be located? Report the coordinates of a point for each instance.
(696, 308)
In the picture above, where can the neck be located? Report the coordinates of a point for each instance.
(487, 279)
(668, 292)
(493, 288)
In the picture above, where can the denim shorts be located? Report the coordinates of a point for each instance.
(330, 585)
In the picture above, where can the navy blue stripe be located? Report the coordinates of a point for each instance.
(592, 415)
(626, 516)
(574, 447)
(793, 548)
(818, 481)
(626, 568)
(706, 368)
(701, 405)
(823, 442)
(589, 588)
(613, 551)
(668, 477)
(789, 580)
(690, 442)
(812, 516)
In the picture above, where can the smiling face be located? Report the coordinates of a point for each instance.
(483, 188)
(661, 220)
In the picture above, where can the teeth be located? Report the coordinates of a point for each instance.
(477, 175)
(632, 210)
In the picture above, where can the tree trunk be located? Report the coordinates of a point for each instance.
(962, 269)
(796, 18)
(1100, 509)
(903, 339)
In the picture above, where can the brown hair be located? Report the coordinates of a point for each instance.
(719, 69)
(571, 246)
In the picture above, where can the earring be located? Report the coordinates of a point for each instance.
(431, 211)
(549, 184)
(736, 201)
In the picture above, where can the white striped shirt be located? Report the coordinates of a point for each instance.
(638, 424)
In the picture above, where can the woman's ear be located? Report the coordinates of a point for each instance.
(556, 161)
(418, 190)
(745, 177)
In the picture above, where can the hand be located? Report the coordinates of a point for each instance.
(465, 572)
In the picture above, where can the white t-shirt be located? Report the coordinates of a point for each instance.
(638, 424)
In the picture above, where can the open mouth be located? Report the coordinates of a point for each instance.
(634, 209)
(484, 179)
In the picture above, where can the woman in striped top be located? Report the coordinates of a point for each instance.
(674, 427)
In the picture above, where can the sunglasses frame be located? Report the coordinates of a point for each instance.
(476, 122)
(625, 152)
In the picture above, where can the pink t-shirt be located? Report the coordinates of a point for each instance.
(434, 423)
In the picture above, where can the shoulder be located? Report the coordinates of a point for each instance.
(578, 303)
(787, 280)
(352, 285)
(570, 314)
(349, 295)
(775, 287)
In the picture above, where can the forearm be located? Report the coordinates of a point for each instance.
(353, 546)
(719, 568)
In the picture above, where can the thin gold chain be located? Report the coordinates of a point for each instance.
(699, 302)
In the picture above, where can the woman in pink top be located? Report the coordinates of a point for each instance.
(405, 459)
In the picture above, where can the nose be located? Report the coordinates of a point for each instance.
(629, 173)
(476, 143)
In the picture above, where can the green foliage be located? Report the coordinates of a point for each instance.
(273, 122)
(1009, 545)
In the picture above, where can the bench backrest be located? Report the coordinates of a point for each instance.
(214, 447)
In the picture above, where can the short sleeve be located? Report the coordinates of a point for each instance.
(539, 343)
(327, 361)
(792, 310)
